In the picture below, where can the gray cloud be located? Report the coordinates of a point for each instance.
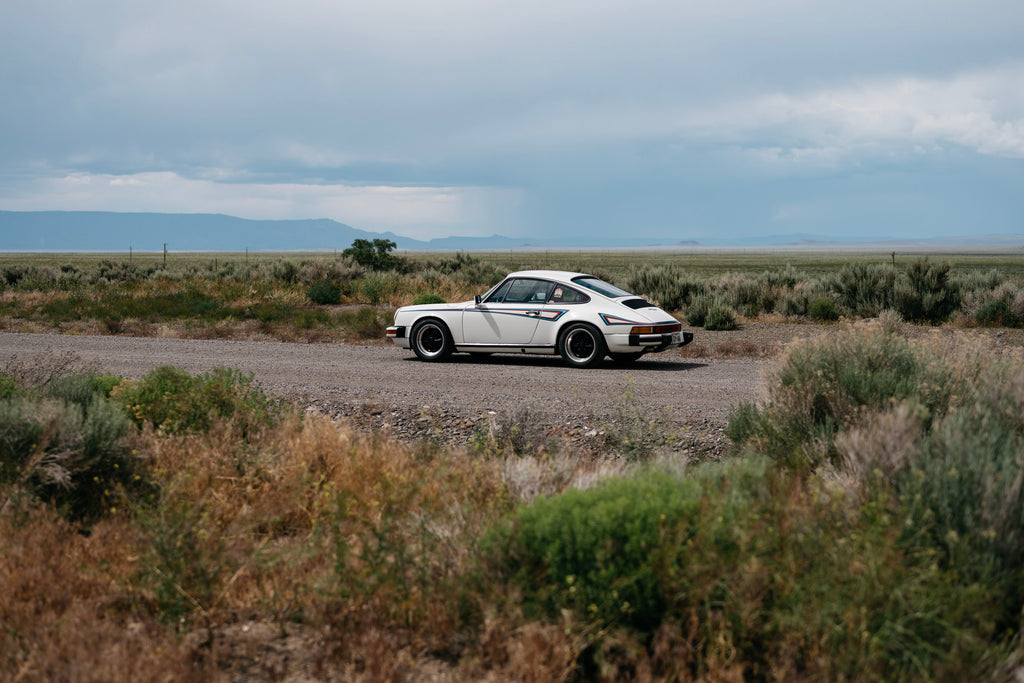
(586, 112)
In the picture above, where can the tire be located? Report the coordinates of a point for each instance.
(431, 340)
(581, 346)
(626, 358)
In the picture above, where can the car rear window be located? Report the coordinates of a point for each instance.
(600, 286)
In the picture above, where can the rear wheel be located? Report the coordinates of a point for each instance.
(581, 345)
(431, 340)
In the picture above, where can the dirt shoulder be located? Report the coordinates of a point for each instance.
(682, 397)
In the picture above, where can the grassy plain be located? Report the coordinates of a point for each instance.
(707, 262)
(288, 295)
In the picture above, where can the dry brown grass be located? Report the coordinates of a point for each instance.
(342, 541)
(66, 613)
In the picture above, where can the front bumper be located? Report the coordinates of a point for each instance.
(397, 334)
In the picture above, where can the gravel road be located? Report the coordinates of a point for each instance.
(385, 387)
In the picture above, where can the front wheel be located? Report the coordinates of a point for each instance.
(581, 345)
(431, 340)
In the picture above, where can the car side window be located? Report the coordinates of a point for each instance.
(567, 295)
(528, 291)
(499, 293)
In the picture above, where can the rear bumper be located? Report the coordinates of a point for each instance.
(658, 342)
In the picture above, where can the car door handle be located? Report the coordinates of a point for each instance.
(534, 313)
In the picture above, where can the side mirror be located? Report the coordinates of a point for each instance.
(477, 299)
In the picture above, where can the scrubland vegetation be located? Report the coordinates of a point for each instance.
(867, 526)
(351, 296)
(868, 523)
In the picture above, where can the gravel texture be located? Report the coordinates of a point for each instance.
(685, 400)
(679, 399)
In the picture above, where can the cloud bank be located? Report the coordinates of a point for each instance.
(459, 117)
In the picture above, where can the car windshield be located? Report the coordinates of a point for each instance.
(600, 286)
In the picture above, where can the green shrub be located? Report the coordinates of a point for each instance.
(424, 299)
(824, 386)
(720, 317)
(324, 293)
(670, 286)
(930, 294)
(269, 311)
(959, 483)
(120, 305)
(375, 255)
(978, 281)
(793, 305)
(171, 400)
(307, 320)
(110, 271)
(366, 323)
(742, 566)
(753, 296)
(186, 559)
(822, 308)
(1003, 306)
(80, 388)
(8, 386)
(743, 422)
(865, 289)
(697, 313)
(74, 453)
(285, 271)
(596, 552)
(374, 288)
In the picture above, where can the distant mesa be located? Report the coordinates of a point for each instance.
(107, 231)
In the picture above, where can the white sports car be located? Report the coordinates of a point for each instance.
(541, 311)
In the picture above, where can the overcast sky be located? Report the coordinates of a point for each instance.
(663, 119)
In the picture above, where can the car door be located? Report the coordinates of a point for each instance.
(508, 316)
(561, 300)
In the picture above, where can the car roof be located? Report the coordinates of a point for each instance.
(563, 275)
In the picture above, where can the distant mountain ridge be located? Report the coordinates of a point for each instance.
(101, 231)
(111, 231)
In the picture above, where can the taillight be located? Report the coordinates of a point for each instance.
(656, 329)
